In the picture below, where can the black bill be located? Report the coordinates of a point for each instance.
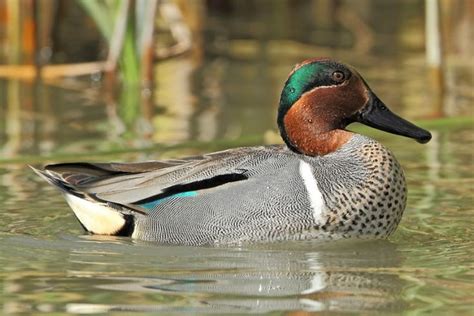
(377, 115)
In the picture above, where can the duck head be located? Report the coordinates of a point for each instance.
(321, 97)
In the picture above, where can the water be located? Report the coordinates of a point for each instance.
(48, 265)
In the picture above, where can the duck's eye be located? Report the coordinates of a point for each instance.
(338, 76)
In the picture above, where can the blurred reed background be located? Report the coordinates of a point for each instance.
(109, 75)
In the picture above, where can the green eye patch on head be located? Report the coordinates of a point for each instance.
(302, 80)
(308, 77)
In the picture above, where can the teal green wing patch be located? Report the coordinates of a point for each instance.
(152, 204)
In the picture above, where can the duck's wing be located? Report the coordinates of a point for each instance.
(130, 183)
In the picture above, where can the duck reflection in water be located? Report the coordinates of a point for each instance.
(342, 276)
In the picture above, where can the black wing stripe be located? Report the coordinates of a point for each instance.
(195, 186)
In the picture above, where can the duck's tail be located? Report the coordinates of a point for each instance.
(96, 216)
(57, 181)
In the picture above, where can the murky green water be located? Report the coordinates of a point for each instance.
(228, 99)
(48, 265)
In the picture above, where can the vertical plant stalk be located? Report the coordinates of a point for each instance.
(117, 37)
(129, 61)
(146, 13)
(146, 43)
(115, 21)
(13, 31)
(434, 52)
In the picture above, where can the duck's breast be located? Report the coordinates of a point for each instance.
(364, 189)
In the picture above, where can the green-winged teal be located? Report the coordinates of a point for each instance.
(325, 183)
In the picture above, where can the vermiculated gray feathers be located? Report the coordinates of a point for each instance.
(362, 186)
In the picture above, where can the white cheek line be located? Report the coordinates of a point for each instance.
(332, 86)
(314, 194)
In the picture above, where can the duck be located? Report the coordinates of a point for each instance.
(324, 183)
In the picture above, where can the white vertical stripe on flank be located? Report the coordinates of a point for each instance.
(314, 195)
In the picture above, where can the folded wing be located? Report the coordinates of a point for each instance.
(131, 183)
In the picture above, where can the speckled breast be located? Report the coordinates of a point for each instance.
(364, 190)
